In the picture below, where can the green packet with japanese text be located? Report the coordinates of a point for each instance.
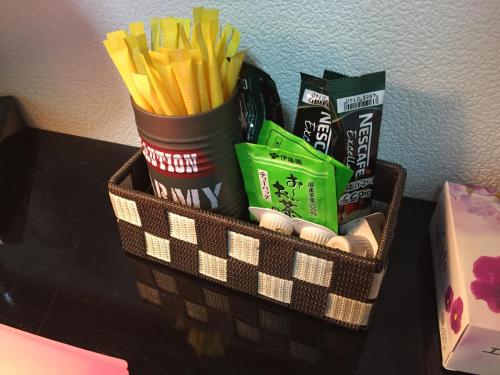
(275, 136)
(296, 185)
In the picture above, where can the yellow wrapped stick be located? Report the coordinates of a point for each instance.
(209, 30)
(220, 45)
(232, 48)
(210, 15)
(216, 94)
(142, 84)
(163, 51)
(183, 39)
(162, 65)
(143, 43)
(185, 23)
(210, 25)
(233, 45)
(197, 14)
(182, 65)
(223, 70)
(155, 34)
(170, 32)
(136, 28)
(198, 42)
(174, 88)
(136, 53)
(233, 72)
(164, 98)
(202, 86)
(118, 34)
(189, 69)
(122, 60)
(118, 48)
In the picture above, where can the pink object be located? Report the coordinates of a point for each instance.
(465, 239)
(23, 353)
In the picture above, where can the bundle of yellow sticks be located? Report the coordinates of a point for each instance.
(190, 68)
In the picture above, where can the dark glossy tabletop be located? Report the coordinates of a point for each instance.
(63, 275)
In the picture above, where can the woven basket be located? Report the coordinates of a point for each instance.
(326, 283)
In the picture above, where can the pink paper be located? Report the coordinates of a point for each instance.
(23, 353)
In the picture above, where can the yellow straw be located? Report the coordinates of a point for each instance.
(119, 34)
(136, 28)
(231, 50)
(233, 72)
(202, 86)
(197, 14)
(142, 84)
(182, 65)
(174, 88)
(124, 65)
(186, 25)
(133, 46)
(189, 69)
(223, 71)
(170, 32)
(216, 95)
(220, 45)
(198, 42)
(164, 98)
(162, 65)
(155, 34)
(183, 39)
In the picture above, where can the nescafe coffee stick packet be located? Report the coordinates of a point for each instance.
(339, 150)
(331, 75)
(313, 120)
(259, 100)
(356, 104)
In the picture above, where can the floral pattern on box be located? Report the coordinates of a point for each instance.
(486, 287)
(466, 197)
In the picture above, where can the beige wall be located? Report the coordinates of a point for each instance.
(442, 107)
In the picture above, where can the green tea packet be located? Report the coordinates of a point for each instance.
(274, 136)
(292, 183)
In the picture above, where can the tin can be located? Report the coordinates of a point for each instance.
(191, 159)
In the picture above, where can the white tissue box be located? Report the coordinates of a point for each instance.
(465, 240)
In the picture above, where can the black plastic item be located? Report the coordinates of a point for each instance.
(259, 100)
(13, 154)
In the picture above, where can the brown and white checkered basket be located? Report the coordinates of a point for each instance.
(326, 283)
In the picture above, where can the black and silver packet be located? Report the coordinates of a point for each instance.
(331, 75)
(313, 120)
(259, 100)
(356, 104)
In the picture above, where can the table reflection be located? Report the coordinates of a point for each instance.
(218, 322)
